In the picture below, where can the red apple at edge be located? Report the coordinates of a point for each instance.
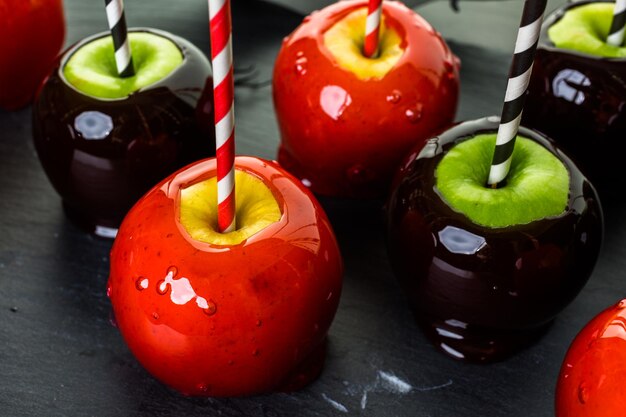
(591, 382)
(31, 36)
(227, 319)
(347, 121)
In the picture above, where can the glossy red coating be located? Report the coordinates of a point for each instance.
(227, 320)
(344, 136)
(32, 36)
(593, 375)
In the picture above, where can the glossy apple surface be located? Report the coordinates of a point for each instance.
(344, 134)
(32, 37)
(102, 155)
(482, 293)
(591, 382)
(579, 100)
(235, 319)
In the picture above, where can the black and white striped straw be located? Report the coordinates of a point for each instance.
(519, 77)
(616, 33)
(119, 32)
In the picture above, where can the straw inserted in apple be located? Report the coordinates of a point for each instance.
(119, 33)
(618, 25)
(224, 97)
(372, 28)
(519, 78)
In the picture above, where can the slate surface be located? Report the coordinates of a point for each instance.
(60, 356)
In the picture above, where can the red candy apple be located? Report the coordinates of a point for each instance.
(591, 383)
(227, 314)
(31, 37)
(346, 120)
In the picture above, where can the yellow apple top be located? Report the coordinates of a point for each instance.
(256, 209)
(345, 41)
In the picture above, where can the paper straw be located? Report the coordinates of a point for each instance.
(372, 27)
(119, 32)
(616, 33)
(224, 97)
(519, 77)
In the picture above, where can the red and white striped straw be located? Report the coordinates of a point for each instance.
(224, 97)
(372, 27)
(616, 32)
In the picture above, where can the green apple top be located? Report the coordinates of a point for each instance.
(91, 69)
(257, 208)
(537, 185)
(345, 41)
(585, 29)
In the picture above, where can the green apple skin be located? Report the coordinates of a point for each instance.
(92, 69)
(480, 292)
(579, 100)
(102, 154)
(536, 187)
(585, 29)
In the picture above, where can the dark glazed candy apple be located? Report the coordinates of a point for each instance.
(32, 37)
(591, 382)
(578, 91)
(486, 269)
(346, 121)
(232, 314)
(103, 140)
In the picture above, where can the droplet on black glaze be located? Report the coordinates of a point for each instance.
(161, 287)
(414, 114)
(141, 283)
(394, 97)
(301, 66)
(583, 395)
(211, 308)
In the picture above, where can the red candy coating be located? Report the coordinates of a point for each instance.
(31, 37)
(345, 135)
(591, 382)
(227, 320)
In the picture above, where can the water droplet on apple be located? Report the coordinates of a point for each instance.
(172, 270)
(259, 323)
(414, 114)
(255, 352)
(394, 97)
(583, 393)
(211, 308)
(329, 296)
(155, 315)
(286, 39)
(301, 66)
(622, 304)
(109, 291)
(203, 387)
(161, 287)
(334, 100)
(231, 362)
(359, 175)
(141, 283)
(299, 54)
